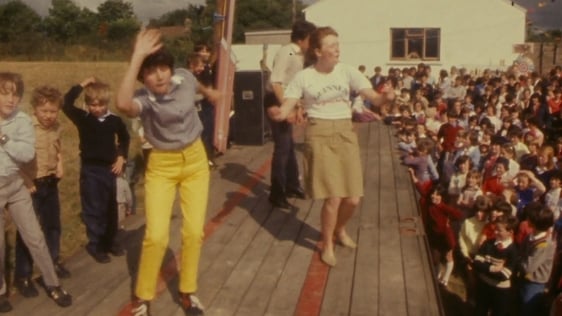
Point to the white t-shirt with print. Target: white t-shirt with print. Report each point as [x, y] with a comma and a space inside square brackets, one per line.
[327, 95]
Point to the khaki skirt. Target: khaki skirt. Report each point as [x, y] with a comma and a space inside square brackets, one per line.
[332, 165]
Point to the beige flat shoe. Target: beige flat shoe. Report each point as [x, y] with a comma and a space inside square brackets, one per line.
[346, 241]
[328, 259]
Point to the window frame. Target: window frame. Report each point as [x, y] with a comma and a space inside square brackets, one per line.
[410, 34]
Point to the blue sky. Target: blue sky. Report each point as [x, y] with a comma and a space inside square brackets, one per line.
[545, 14]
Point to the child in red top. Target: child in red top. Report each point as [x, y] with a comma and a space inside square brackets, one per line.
[437, 218]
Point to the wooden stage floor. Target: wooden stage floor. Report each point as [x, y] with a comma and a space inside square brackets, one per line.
[258, 260]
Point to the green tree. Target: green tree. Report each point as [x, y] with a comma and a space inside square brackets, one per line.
[113, 10]
[117, 21]
[122, 30]
[63, 21]
[17, 21]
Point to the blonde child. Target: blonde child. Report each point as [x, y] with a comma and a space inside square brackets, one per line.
[101, 162]
[528, 189]
[471, 190]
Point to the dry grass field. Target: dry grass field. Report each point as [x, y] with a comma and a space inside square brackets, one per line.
[63, 75]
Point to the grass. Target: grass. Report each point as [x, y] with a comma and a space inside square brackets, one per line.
[63, 75]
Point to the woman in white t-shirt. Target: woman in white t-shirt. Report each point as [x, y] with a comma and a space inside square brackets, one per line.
[332, 162]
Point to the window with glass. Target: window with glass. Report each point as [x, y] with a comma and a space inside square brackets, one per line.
[415, 43]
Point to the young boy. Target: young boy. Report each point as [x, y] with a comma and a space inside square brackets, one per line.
[42, 175]
[17, 140]
[166, 106]
[101, 162]
[537, 257]
[407, 144]
[494, 264]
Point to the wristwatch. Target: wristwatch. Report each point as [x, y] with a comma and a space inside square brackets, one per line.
[4, 139]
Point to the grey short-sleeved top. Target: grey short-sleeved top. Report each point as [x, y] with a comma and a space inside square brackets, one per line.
[171, 121]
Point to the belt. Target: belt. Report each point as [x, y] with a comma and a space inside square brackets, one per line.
[48, 180]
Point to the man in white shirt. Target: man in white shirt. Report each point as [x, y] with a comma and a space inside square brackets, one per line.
[284, 168]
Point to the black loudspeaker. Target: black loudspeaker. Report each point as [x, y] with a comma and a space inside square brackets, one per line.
[249, 126]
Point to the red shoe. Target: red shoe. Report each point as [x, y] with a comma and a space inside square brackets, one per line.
[191, 305]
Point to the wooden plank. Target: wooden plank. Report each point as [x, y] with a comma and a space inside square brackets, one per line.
[418, 276]
[365, 293]
[232, 293]
[392, 292]
[258, 295]
[286, 294]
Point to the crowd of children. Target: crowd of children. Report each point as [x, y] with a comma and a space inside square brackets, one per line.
[485, 154]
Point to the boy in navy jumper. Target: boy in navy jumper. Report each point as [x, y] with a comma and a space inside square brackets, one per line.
[494, 265]
[101, 161]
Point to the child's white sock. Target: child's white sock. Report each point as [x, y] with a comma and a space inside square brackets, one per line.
[448, 270]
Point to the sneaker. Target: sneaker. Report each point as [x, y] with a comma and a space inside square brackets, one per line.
[140, 308]
[191, 305]
[5, 305]
[62, 271]
[60, 296]
[100, 257]
[26, 287]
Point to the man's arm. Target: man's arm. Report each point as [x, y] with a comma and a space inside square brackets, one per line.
[278, 91]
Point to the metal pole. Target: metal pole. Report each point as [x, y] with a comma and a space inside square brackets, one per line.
[294, 11]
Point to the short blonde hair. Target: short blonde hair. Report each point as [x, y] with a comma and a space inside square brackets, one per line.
[97, 92]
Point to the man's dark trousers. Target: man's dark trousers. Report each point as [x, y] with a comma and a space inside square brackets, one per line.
[284, 166]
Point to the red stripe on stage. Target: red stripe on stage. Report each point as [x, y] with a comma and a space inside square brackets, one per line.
[312, 292]
[170, 268]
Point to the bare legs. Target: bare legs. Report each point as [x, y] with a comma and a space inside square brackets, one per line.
[335, 214]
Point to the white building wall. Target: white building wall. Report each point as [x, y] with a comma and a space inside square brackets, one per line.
[474, 33]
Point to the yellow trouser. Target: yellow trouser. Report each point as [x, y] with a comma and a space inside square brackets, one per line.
[188, 171]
